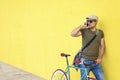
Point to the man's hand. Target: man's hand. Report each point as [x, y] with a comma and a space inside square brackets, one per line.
[97, 61]
[84, 26]
[76, 32]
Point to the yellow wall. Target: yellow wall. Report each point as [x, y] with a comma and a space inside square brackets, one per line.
[34, 32]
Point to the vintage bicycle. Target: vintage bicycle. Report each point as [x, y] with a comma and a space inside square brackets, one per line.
[60, 74]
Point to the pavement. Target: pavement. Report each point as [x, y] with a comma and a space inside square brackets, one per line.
[8, 72]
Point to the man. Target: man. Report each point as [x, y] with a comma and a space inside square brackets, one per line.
[94, 52]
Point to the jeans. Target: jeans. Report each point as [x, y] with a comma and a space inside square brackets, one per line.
[91, 66]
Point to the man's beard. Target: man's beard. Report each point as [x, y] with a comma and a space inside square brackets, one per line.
[92, 27]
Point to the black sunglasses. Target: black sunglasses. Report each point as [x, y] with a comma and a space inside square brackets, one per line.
[91, 21]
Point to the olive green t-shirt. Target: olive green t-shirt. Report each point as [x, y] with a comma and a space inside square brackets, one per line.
[92, 51]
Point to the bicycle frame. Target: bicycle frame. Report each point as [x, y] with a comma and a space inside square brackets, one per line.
[67, 70]
[66, 73]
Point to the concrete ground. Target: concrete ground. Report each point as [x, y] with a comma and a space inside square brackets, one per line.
[8, 72]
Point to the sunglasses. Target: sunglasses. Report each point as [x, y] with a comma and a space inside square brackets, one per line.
[91, 21]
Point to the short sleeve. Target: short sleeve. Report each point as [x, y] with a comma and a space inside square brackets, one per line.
[82, 31]
[102, 34]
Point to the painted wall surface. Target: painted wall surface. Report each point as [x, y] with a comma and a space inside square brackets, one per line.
[33, 33]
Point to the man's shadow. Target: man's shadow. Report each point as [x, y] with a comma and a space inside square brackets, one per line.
[105, 60]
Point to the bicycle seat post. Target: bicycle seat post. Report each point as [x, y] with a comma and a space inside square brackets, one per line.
[66, 56]
[67, 60]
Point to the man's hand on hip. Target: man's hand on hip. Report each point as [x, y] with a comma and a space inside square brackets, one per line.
[98, 61]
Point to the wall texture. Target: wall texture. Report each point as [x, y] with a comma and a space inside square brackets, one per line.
[34, 32]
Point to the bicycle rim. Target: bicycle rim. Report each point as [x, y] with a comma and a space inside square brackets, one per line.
[59, 75]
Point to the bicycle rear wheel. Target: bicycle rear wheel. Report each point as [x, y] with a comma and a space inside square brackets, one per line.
[59, 75]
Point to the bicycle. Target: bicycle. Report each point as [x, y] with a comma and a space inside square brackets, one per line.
[60, 74]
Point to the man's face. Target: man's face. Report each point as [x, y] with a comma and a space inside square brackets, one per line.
[91, 23]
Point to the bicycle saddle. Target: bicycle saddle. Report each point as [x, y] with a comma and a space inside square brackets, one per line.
[65, 55]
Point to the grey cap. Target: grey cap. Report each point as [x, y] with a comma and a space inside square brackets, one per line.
[92, 16]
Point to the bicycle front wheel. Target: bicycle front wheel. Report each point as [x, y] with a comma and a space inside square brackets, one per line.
[59, 75]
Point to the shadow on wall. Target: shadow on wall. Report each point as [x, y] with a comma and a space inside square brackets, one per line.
[102, 25]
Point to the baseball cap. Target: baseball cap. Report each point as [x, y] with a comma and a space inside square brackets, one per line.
[92, 16]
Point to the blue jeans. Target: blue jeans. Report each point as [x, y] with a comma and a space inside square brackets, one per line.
[91, 66]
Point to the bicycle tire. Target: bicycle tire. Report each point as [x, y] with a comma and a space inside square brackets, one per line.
[59, 74]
